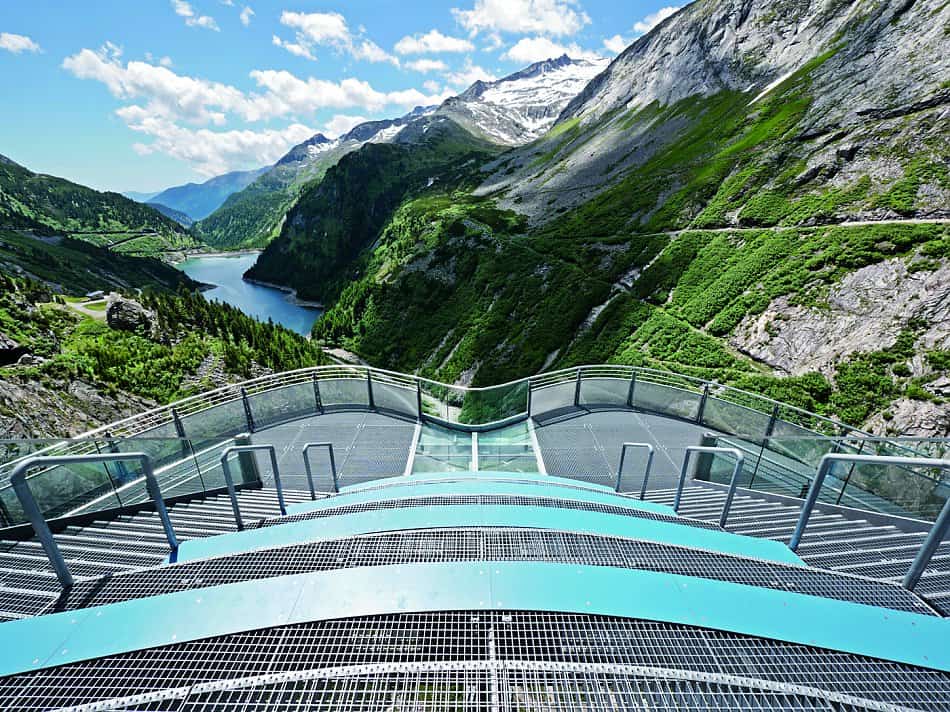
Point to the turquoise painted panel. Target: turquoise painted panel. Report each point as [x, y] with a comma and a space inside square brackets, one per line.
[470, 487]
[343, 525]
[192, 615]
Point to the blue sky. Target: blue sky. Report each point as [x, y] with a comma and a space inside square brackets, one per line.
[145, 94]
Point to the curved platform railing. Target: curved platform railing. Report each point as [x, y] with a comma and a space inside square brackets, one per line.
[203, 424]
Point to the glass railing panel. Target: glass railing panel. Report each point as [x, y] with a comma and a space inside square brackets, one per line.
[283, 404]
[799, 444]
[210, 426]
[665, 400]
[604, 391]
[548, 399]
[492, 405]
[344, 392]
[735, 412]
[396, 398]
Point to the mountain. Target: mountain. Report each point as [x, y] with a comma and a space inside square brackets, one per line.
[199, 200]
[753, 195]
[47, 205]
[507, 112]
[356, 197]
[520, 107]
[176, 215]
[254, 215]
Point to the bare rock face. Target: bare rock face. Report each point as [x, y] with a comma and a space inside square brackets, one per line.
[912, 418]
[865, 312]
[60, 409]
[128, 315]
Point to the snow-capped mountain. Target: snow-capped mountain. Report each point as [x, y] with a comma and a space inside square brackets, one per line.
[519, 108]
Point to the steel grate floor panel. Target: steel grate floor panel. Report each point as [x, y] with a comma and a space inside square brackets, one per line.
[485, 659]
[485, 544]
[486, 500]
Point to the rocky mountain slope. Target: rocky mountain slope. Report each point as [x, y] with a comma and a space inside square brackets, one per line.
[199, 200]
[46, 205]
[521, 107]
[698, 206]
[508, 112]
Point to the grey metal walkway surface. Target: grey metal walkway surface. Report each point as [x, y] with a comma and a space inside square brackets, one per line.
[366, 446]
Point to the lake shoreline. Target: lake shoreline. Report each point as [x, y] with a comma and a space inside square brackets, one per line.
[193, 254]
[289, 291]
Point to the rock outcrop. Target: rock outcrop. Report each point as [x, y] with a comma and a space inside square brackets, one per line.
[912, 418]
[128, 315]
[864, 312]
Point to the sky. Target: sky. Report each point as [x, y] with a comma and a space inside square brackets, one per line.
[140, 95]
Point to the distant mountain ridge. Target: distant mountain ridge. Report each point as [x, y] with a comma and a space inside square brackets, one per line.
[507, 112]
[254, 215]
[199, 200]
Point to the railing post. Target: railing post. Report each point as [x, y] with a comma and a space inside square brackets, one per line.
[369, 389]
[306, 463]
[847, 477]
[577, 387]
[528, 396]
[22, 489]
[121, 472]
[633, 385]
[646, 473]
[180, 430]
[733, 482]
[702, 404]
[773, 418]
[318, 401]
[419, 398]
[229, 481]
[247, 410]
[937, 534]
[43, 533]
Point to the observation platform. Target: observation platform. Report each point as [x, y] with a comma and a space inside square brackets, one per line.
[599, 538]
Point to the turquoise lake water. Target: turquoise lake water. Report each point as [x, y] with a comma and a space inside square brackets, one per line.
[260, 302]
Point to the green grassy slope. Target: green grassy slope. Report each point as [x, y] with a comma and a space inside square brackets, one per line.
[47, 205]
[336, 219]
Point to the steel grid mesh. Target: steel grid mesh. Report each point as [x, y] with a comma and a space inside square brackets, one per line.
[485, 544]
[488, 659]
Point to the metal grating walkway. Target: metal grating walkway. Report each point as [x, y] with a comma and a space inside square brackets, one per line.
[481, 661]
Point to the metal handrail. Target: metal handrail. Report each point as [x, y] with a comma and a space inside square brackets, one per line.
[229, 481]
[306, 464]
[733, 481]
[43, 533]
[646, 473]
[937, 532]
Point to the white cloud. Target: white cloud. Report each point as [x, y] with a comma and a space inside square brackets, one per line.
[17, 43]
[425, 65]
[329, 29]
[198, 101]
[652, 20]
[536, 49]
[341, 123]
[468, 75]
[293, 47]
[212, 153]
[246, 14]
[192, 18]
[431, 86]
[431, 42]
[615, 44]
[549, 17]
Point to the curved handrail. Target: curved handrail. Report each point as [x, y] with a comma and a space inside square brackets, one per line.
[646, 472]
[33, 513]
[306, 464]
[229, 481]
[733, 482]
